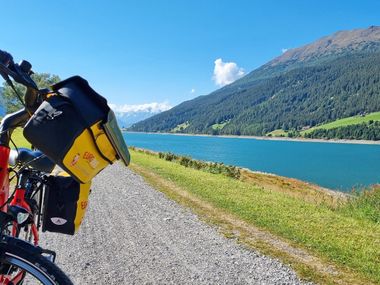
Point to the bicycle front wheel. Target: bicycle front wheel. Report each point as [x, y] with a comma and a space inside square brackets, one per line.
[23, 263]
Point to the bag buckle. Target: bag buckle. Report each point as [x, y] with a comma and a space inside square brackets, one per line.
[53, 114]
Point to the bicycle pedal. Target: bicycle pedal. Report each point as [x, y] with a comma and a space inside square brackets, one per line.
[49, 254]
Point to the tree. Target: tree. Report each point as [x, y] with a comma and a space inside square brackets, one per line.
[12, 103]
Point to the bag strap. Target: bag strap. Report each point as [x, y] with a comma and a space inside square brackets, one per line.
[97, 147]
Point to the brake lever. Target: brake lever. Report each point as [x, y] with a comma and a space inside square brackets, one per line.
[6, 71]
[15, 71]
[20, 77]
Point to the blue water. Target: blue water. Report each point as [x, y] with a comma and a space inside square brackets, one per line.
[335, 166]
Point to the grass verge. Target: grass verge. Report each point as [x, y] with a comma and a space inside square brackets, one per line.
[324, 242]
[19, 139]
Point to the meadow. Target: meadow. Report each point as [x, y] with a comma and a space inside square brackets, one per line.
[341, 231]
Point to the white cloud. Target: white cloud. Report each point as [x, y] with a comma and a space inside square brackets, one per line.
[192, 91]
[284, 50]
[149, 107]
[226, 72]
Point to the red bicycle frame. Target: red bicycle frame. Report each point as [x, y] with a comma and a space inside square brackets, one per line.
[18, 199]
[4, 176]
[8, 124]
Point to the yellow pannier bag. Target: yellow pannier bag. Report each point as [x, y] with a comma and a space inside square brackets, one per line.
[65, 204]
[90, 152]
[77, 130]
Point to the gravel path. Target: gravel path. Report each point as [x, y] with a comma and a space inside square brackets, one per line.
[133, 234]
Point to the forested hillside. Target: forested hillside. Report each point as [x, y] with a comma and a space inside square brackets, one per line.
[333, 78]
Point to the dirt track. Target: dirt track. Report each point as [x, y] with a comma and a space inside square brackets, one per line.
[133, 234]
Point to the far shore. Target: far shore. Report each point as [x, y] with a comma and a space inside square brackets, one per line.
[307, 140]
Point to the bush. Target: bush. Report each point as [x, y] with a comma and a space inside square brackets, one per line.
[212, 167]
[169, 156]
[185, 161]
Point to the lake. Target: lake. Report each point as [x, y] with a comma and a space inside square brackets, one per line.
[336, 166]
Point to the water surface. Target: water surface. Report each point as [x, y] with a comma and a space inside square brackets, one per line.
[337, 166]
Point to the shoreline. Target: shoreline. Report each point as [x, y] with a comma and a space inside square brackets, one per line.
[310, 185]
[304, 140]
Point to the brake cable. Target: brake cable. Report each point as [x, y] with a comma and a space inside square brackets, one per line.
[10, 83]
[10, 138]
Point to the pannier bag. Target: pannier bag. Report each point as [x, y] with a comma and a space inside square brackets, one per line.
[77, 130]
[65, 203]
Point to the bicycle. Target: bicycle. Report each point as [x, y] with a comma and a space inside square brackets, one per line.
[22, 262]
[82, 143]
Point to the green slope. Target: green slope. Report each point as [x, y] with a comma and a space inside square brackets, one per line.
[305, 96]
[354, 120]
[335, 77]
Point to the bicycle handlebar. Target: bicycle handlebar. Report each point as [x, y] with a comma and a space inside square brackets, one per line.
[19, 72]
[5, 58]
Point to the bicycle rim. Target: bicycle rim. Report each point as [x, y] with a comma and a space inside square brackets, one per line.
[21, 271]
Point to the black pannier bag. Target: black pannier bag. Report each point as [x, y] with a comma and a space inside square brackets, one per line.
[77, 130]
[65, 204]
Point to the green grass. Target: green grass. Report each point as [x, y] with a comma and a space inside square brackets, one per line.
[219, 126]
[19, 139]
[347, 236]
[180, 127]
[277, 133]
[346, 122]
[364, 205]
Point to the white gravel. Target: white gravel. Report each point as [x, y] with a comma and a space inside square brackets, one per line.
[133, 234]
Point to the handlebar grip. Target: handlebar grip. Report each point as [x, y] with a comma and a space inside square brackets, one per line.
[5, 58]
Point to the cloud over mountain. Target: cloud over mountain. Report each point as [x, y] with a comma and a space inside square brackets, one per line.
[127, 115]
[148, 107]
[226, 72]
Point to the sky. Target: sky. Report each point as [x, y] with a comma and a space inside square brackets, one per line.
[159, 53]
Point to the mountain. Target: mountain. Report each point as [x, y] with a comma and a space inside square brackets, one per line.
[127, 115]
[336, 44]
[334, 77]
[127, 119]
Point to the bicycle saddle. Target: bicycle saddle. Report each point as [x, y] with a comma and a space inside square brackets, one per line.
[25, 155]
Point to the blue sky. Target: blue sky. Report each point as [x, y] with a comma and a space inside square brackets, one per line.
[165, 51]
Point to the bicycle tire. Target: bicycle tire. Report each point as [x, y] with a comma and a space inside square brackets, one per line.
[17, 254]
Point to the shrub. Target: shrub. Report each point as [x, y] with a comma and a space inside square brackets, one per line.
[169, 156]
[212, 167]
